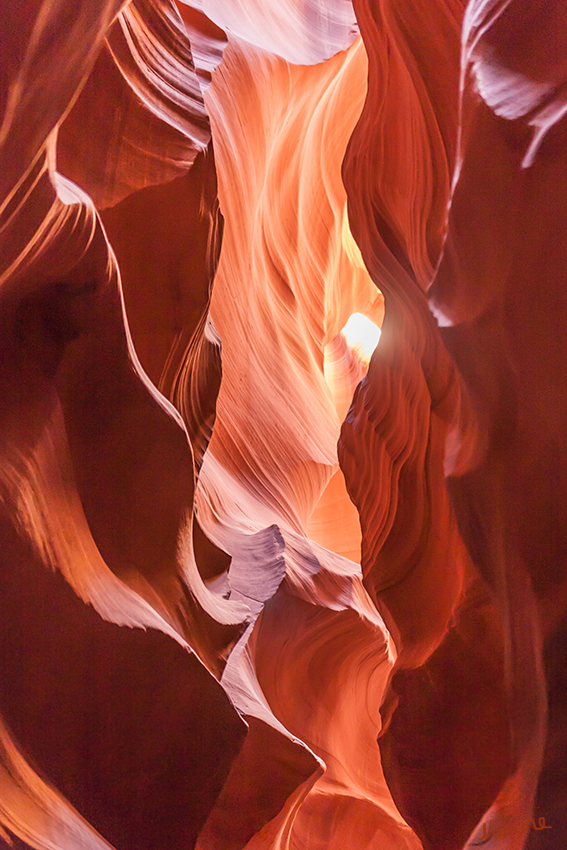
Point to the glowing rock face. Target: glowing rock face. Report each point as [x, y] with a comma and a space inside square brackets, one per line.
[242, 605]
[362, 335]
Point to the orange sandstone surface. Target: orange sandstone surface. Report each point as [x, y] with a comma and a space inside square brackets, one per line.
[283, 424]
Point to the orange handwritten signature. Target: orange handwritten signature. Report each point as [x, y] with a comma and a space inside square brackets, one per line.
[492, 831]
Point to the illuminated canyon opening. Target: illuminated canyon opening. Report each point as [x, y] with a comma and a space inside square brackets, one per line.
[283, 473]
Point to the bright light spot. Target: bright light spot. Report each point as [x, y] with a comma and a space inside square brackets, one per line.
[362, 335]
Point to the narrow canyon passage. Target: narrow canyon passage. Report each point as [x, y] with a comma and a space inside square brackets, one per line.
[283, 430]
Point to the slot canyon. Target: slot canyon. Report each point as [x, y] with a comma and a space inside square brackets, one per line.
[283, 431]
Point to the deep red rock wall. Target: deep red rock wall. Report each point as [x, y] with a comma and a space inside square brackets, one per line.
[260, 587]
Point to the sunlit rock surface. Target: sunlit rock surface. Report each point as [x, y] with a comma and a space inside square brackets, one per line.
[282, 434]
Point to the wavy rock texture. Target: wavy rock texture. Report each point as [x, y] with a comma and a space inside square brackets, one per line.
[289, 277]
[97, 486]
[500, 294]
[213, 634]
[301, 31]
[397, 172]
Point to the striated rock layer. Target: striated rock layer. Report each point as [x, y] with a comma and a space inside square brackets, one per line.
[499, 293]
[263, 588]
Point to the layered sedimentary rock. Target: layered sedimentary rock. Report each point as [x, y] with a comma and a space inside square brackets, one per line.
[97, 491]
[499, 295]
[443, 766]
[286, 223]
[263, 588]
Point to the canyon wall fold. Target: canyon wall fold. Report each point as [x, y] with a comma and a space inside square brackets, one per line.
[282, 425]
[499, 293]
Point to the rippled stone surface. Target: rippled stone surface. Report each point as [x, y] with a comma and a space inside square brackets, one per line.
[282, 458]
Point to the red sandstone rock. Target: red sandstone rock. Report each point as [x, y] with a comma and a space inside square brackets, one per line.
[212, 635]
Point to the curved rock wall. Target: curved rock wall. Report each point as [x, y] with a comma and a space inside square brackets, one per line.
[263, 588]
